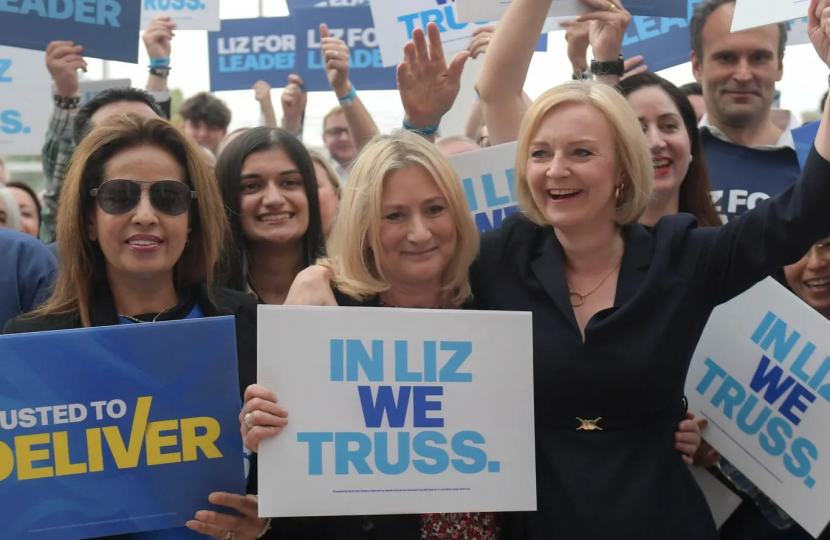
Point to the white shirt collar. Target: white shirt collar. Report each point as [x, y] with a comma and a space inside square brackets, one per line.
[781, 118]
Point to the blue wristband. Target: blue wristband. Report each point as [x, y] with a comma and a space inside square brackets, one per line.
[428, 131]
[160, 62]
[348, 99]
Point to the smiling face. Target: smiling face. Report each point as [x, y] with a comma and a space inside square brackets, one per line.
[143, 243]
[667, 138]
[809, 278]
[337, 139]
[29, 219]
[572, 170]
[738, 71]
[417, 233]
[273, 202]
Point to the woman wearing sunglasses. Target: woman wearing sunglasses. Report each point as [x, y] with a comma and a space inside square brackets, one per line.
[271, 197]
[139, 231]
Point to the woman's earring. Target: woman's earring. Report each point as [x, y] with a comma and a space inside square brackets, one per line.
[691, 158]
[620, 189]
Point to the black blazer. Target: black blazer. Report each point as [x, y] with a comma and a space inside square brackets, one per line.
[223, 303]
[627, 481]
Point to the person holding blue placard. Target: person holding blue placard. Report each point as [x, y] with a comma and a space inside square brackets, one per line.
[270, 191]
[140, 229]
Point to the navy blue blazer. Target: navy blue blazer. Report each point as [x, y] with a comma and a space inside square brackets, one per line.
[627, 481]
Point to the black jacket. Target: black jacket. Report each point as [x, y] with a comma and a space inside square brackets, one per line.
[220, 302]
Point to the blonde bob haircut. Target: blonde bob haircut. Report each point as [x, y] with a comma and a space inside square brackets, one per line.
[82, 267]
[633, 155]
[357, 267]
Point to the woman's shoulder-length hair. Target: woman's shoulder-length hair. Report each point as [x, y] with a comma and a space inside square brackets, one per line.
[82, 264]
[633, 153]
[233, 267]
[357, 267]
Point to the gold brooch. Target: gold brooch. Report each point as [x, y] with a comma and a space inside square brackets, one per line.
[589, 425]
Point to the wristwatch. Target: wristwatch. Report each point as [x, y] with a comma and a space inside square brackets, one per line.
[616, 67]
[67, 103]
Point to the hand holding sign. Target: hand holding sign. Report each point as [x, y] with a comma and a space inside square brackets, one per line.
[294, 101]
[427, 85]
[266, 417]
[216, 525]
[608, 26]
[158, 36]
[819, 28]
[576, 34]
[336, 55]
[481, 41]
[63, 59]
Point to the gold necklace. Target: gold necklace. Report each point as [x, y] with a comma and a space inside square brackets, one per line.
[582, 297]
[139, 321]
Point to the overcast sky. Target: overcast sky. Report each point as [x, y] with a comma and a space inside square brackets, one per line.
[805, 76]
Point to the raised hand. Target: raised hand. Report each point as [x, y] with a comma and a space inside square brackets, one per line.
[608, 25]
[819, 28]
[294, 101]
[576, 34]
[428, 87]
[262, 91]
[63, 60]
[481, 41]
[336, 56]
[158, 37]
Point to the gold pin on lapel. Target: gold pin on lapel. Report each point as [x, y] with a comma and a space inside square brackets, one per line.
[589, 425]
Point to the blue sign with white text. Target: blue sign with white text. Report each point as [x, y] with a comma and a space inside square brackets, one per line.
[356, 27]
[107, 29]
[663, 42]
[117, 430]
[248, 50]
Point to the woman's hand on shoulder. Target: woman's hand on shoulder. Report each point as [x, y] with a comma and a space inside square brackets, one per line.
[261, 417]
[312, 287]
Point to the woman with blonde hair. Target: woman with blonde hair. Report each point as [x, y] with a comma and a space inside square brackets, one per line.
[139, 231]
[617, 308]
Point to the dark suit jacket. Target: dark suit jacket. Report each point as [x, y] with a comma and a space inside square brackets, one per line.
[627, 481]
[220, 302]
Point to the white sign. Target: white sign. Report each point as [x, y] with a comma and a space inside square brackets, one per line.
[798, 34]
[397, 411]
[487, 176]
[761, 376]
[492, 10]
[722, 501]
[755, 13]
[187, 14]
[25, 101]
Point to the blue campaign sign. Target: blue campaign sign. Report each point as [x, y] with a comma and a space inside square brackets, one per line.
[108, 29]
[354, 26]
[248, 50]
[657, 8]
[117, 430]
[663, 42]
[297, 4]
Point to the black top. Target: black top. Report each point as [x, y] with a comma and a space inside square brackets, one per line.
[628, 482]
[220, 302]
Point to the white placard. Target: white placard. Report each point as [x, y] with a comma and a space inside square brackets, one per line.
[487, 176]
[755, 13]
[798, 34]
[187, 14]
[459, 422]
[722, 501]
[492, 10]
[25, 101]
[761, 376]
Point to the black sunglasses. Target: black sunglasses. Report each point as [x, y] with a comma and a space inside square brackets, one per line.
[116, 197]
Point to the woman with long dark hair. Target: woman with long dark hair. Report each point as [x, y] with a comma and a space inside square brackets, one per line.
[269, 189]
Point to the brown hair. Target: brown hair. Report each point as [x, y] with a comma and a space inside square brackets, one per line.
[82, 263]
